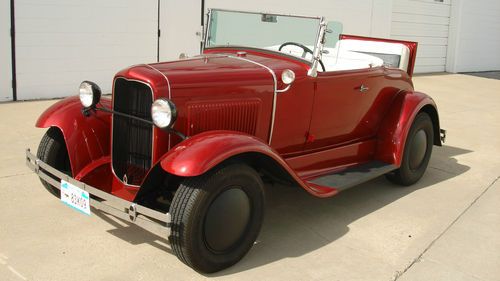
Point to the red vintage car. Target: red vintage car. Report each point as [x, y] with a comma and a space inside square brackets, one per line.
[182, 148]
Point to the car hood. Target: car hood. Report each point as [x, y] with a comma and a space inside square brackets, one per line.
[214, 70]
[211, 70]
[223, 91]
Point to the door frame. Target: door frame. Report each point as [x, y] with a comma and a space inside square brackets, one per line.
[13, 49]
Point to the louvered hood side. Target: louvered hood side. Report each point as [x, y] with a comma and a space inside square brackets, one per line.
[221, 93]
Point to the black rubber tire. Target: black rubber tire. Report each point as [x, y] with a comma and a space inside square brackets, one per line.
[191, 204]
[406, 175]
[52, 150]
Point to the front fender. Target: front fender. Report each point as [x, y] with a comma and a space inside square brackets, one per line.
[200, 153]
[397, 123]
[87, 138]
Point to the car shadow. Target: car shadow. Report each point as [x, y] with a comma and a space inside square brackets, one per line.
[132, 233]
[292, 215]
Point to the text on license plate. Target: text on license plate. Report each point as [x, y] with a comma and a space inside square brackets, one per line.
[75, 197]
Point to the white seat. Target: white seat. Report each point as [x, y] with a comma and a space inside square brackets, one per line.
[336, 59]
[356, 54]
[351, 54]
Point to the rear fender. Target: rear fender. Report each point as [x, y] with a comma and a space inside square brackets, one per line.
[200, 153]
[87, 138]
[397, 123]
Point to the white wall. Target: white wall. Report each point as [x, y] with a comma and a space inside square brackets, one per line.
[360, 17]
[179, 25]
[425, 22]
[180, 22]
[59, 43]
[5, 52]
[474, 36]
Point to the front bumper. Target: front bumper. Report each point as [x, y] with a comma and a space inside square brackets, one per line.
[149, 219]
[442, 135]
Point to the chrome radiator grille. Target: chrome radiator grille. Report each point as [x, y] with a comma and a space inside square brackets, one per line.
[132, 139]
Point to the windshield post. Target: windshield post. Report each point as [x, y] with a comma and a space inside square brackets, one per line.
[206, 30]
[318, 49]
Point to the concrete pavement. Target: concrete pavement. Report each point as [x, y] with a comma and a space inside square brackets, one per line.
[443, 228]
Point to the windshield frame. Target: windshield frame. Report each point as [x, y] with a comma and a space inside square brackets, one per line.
[318, 47]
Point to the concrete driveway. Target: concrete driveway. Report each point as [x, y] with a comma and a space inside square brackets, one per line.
[446, 227]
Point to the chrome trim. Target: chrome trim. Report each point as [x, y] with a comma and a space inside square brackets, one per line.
[363, 88]
[207, 31]
[285, 89]
[151, 220]
[205, 57]
[113, 127]
[162, 74]
[318, 49]
[275, 91]
[169, 97]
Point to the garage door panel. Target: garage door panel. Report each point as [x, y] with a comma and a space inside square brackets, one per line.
[426, 22]
[96, 26]
[5, 53]
[426, 19]
[429, 68]
[51, 85]
[77, 39]
[421, 8]
[76, 64]
[431, 51]
[422, 40]
[423, 61]
[61, 43]
[98, 51]
[419, 29]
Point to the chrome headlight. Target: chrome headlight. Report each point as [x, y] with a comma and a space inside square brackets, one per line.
[164, 113]
[90, 94]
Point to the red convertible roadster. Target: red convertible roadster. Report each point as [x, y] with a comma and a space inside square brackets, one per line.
[182, 147]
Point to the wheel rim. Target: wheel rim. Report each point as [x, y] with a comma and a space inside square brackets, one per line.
[418, 149]
[227, 219]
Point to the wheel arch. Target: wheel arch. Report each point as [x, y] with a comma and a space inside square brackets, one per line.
[86, 138]
[397, 122]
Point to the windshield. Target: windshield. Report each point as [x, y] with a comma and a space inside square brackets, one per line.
[264, 31]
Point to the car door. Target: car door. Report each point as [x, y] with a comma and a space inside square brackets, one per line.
[345, 107]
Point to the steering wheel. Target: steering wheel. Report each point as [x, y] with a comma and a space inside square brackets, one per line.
[306, 50]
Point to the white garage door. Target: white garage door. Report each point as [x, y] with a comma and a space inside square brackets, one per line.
[5, 53]
[59, 43]
[426, 22]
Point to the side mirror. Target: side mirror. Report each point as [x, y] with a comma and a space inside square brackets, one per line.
[287, 77]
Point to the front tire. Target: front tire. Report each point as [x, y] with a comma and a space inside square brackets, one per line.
[52, 150]
[417, 152]
[216, 217]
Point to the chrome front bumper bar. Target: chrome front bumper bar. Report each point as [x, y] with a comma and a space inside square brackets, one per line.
[149, 219]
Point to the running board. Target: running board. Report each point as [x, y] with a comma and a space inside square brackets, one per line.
[354, 176]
